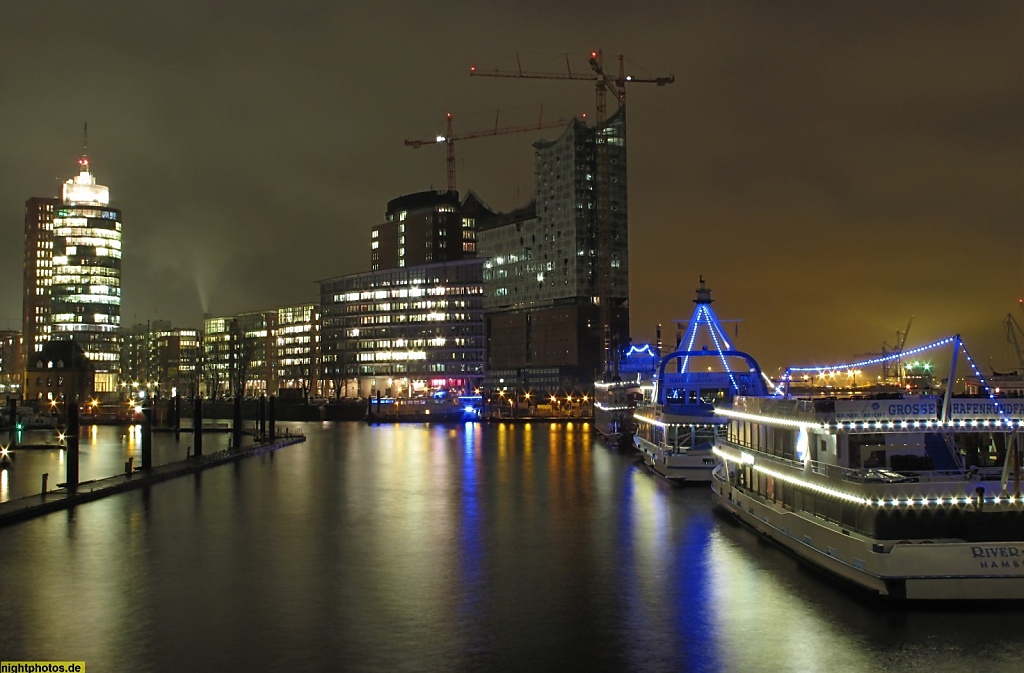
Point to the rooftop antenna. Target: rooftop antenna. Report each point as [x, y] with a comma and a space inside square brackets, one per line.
[84, 162]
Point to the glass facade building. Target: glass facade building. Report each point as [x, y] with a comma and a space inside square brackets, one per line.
[85, 295]
[556, 280]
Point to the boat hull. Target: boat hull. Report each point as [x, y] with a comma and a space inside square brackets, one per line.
[912, 570]
[695, 465]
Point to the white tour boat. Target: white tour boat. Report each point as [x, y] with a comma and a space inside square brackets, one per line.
[676, 429]
[909, 497]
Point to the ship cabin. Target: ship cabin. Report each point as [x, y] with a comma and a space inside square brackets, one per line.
[886, 467]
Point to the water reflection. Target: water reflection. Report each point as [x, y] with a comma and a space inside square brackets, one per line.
[471, 547]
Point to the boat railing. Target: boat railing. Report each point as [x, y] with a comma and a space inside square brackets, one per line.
[869, 475]
[688, 409]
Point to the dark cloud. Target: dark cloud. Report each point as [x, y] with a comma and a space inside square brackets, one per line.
[831, 168]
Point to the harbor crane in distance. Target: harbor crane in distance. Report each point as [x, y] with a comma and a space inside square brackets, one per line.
[1015, 335]
[604, 83]
[893, 369]
[450, 137]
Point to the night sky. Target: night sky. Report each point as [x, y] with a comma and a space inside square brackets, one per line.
[832, 169]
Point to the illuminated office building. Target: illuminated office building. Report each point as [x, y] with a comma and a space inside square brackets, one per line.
[85, 299]
[405, 331]
[297, 341]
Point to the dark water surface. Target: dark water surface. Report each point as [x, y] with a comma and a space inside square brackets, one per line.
[430, 548]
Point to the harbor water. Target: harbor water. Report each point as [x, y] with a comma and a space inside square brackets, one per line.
[500, 547]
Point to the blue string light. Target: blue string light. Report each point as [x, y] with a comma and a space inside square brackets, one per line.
[984, 383]
[642, 350]
[820, 369]
[718, 346]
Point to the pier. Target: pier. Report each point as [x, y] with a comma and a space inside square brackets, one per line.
[63, 498]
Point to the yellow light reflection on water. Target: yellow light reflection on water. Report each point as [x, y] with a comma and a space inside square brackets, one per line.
[746, 608]
[528, 447]
[5, 486]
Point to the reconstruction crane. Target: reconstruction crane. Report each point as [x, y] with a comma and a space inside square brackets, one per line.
[604, 83]
[449, 138]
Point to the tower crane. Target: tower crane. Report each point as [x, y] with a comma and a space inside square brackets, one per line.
[604, 83]
[449, 138]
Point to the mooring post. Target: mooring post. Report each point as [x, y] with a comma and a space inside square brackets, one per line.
[272, 416]
[197, 427]
[261, 423]
[12, 416]
[71, 439]
[46, 476]
[236, 425]
[177, 415]
[147, 434]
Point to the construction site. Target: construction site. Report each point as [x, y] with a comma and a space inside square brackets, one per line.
[554, 309]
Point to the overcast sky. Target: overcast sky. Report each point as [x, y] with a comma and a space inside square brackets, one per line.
[831, 168]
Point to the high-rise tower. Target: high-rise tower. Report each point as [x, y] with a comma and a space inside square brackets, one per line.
[85, 300]
[38, 274]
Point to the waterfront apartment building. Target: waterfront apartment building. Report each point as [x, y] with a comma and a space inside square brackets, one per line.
[177, 361]
[404, 331]
[556, 279]
[85, 294]
[160, 358]
[421, 228]
[37, 272]
[136, 353]
[239, 355]
[273, 352]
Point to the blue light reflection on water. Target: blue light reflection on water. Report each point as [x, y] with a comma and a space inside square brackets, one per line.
[460, 548]
[472, 551]
[694, 623]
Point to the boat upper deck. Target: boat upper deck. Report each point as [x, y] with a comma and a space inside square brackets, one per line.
[887, 413]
